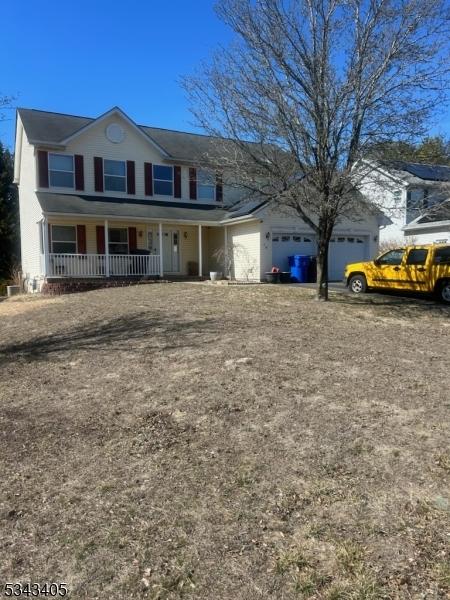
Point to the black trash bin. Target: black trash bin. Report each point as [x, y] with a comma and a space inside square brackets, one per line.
[134, 266]
[312, 270]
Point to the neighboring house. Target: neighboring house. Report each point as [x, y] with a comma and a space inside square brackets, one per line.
[415, 198]
[108, 198]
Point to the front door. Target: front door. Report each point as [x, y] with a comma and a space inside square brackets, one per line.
[171, 250]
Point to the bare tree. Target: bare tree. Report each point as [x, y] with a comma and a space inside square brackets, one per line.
[307, 86]
[6, 103]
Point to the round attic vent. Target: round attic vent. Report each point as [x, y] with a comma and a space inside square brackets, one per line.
[115, 133]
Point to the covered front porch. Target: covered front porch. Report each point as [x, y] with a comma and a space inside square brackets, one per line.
[83, 248]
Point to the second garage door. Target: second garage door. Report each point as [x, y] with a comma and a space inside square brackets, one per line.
[343, 250]
[288, 244]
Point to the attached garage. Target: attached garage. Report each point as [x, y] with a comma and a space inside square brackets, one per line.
[346, 249]
[343, 249]
[286, 244]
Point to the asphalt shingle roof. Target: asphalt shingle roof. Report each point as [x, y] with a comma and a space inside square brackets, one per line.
[423, 171]
[49, 127]
[75, 204]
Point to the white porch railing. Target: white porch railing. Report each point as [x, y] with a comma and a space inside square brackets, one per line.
[95, 265]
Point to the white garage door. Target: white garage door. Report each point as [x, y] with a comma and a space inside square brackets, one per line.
[343, 250]
[288, 244]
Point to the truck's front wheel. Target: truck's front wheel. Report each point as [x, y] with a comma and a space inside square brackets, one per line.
[444, 292]
[358, 284]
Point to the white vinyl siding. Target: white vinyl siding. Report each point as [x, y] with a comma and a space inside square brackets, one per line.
[30, 211]
[244, 245]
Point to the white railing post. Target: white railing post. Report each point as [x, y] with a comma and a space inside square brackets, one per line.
[161, 266]
[106, 249]
[200, 252]
[225, 254]
[46, 248]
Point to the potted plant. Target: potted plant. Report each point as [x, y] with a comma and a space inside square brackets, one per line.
[223, 262]
[273, 276]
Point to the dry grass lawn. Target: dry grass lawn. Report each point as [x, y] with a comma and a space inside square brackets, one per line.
[191, 441]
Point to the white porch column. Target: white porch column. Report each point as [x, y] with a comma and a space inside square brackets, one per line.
[200, 252]
[45, 246]
[161, 266]
[225, 254]
[106, 249]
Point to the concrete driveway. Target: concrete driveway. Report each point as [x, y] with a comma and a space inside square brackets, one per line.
[339, 286]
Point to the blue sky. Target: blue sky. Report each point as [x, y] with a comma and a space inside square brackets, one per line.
[84, 57]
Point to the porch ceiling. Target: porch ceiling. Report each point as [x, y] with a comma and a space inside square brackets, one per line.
[72, 204]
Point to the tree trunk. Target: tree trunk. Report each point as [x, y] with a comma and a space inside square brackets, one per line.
[322, 268]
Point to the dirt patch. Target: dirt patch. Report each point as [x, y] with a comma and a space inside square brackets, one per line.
[225, 442]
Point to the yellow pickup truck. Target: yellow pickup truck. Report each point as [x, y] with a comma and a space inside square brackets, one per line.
[414, 268]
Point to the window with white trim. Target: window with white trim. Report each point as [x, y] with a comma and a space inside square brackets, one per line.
[64, 239]
[162, 180]
[114, 173]
[61, 170]
[206, 185]
[118, 240]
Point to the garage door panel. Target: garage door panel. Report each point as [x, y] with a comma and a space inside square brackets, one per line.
[345, 249]
[286, 244]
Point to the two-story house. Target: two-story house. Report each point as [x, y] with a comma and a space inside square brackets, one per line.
[107, 198]
[414, 196]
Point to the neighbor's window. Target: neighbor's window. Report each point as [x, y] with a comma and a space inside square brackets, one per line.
[163, 180]
[118, 241]
[206, 186]
[115, 176]
[393, 257]
[442, 256]
[64, 239]
[60, 170]
[417, 256]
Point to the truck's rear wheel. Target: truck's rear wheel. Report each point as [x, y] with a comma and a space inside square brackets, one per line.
[444, 292]
[358, 284]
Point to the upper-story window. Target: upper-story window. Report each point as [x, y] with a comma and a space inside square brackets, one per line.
[206, 185]
[162, 180]
[115, 175]
[60, 170]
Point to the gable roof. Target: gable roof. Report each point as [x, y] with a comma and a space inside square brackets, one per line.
[56, 128]
[117, 111]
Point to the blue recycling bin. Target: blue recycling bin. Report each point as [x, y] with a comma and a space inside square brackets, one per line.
[299, 266]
